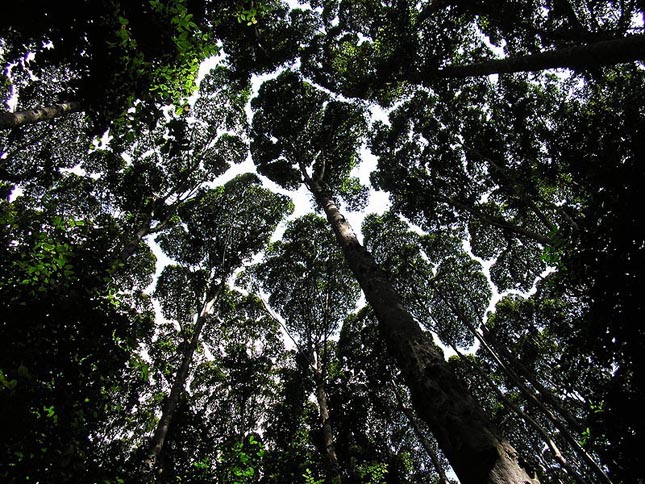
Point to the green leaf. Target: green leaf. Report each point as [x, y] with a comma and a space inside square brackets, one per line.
[9, 384]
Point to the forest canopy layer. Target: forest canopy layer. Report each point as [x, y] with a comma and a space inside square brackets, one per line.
[184, 300]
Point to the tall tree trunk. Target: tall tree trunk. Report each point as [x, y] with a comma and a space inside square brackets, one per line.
[531, 397]
[607, 52]
[555, 451]
[511, 365]
[429, 447]
[13, 120]
[465, 434]
[178, 386]
[328, 437]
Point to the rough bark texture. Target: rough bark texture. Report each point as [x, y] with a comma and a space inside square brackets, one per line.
[13, 120]
[607, 52]
[464, 433]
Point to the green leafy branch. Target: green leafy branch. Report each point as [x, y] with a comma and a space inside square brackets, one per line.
[553, 252]
[177, 82]
[48, 262]
[244, 461]
[174, 81]
[373, 473]
[250, 15]
[310, 479]
[5, 382]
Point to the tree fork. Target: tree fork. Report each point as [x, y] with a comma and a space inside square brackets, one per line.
[607, 52]
[466, 436]
[31, 116]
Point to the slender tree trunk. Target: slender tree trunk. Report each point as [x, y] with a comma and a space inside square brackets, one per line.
[13, 120]
[555, 451]
[494, 350]
[515, 368]
[328, 437]
[178, 386]
[428, 446]
[607, 52]
[464, 433]
[546, 395]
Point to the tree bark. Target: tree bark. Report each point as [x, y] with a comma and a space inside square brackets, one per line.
[328, 438]
[465, 434]
[607, 52]
[555, 451]
[178, 386]
[544, 394]
[13, 120]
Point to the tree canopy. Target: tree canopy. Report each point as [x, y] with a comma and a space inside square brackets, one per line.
[183, 298]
